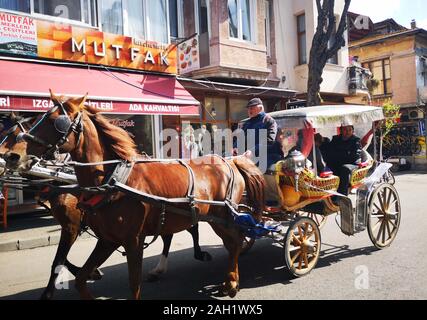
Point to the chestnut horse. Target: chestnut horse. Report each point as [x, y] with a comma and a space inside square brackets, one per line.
[126, 221]
[64, 210]
[62, 207]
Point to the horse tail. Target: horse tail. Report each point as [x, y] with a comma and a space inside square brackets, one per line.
[255, 184]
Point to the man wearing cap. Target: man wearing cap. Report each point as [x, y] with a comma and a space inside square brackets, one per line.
[258, 120]
[343, 155]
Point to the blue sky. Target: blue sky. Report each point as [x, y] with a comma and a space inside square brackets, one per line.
[403, 11]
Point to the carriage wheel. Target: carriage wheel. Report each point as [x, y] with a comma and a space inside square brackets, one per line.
[318, 218]
[247, 245]
[302, 246]
[384, 216]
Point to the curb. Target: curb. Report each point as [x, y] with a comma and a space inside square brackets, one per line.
[32, 243]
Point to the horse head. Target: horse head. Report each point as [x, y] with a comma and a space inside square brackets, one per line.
[12, 151]
[57, 131]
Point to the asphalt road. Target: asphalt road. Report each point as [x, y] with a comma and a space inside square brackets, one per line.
[349, 267]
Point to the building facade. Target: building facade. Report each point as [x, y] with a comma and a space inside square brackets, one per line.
[121, 52]
[397, 58]
[296, 23]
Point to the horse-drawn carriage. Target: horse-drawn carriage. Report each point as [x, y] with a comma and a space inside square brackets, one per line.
[307, 197]
[129, 200]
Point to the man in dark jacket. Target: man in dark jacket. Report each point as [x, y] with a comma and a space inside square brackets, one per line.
[343, 155]
[258, 120]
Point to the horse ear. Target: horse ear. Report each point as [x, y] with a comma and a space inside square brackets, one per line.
[12, 116]
[53, 97]
[80, 101]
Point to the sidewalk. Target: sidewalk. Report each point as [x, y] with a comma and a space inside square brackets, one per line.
[29, 231]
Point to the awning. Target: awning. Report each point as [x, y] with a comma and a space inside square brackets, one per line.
[24, 86]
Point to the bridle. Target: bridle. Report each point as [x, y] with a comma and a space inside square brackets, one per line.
[63, 125]
[19, 124]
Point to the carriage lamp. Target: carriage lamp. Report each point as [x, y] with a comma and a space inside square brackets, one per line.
[295, 163]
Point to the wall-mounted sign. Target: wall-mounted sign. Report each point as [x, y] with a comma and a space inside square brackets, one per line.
[189, 55]
[33, 104]
[18, 35]
[25, 36]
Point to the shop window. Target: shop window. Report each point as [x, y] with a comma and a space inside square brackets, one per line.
[241, 19]
[139, 127]
[216, 109]
[238, 110]
[16, 5]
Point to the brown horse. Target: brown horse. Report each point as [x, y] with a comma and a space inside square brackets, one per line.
[62, 207]
[127, 221]
[64, 210]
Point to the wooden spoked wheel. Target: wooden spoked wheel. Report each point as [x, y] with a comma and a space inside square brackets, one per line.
[384, 216]
[247, 245]
[302, 246]
[319, 219]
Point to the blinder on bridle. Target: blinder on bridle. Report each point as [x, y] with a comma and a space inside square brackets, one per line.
[63, 125]
[19, 124]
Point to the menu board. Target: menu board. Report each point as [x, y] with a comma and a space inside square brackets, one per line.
[189, 55]
[18, 34]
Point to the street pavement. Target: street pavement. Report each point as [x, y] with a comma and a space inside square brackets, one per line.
[349, 268]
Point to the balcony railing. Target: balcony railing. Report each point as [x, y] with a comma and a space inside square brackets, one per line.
[358, 80]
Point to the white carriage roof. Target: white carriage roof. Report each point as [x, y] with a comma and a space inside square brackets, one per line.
[328, 116]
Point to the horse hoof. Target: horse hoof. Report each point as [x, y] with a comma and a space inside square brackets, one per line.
[203, 256]
[232, 292]
[96, 275]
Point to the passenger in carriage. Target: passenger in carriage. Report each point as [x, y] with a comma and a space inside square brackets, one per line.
[304, 145]
[343, 155]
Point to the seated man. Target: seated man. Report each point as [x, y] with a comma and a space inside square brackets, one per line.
[343, 155]
[302, 145]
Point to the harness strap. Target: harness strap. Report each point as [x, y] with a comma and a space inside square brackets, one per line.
[230, 186]
[190, 193]
[162, 220]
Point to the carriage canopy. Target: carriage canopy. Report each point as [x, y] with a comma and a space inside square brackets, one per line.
[328, 116]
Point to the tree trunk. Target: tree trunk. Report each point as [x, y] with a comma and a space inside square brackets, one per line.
[320, 51]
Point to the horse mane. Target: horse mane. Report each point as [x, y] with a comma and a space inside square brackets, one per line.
[116, 139]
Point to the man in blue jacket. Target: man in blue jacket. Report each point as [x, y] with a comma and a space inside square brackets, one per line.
[258, 120]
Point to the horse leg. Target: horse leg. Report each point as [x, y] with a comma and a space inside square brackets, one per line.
[134, 255]
[66, 241]
[233, 241]
[198, 253]
[102, 252]
[162, 266]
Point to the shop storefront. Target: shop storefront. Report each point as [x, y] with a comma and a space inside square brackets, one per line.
[223, 106]
[131, 82]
